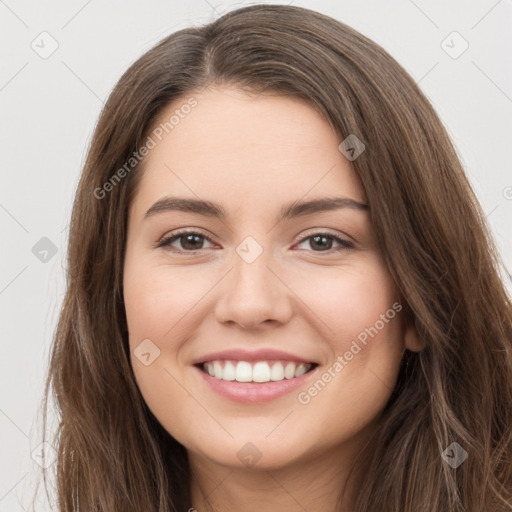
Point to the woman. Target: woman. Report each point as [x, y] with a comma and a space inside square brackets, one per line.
[282, 292]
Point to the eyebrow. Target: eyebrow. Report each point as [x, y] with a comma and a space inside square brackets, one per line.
[288, 211]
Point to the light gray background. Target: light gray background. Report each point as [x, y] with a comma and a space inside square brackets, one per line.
[49, 107]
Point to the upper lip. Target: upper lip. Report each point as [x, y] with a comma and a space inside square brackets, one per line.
[246, 355]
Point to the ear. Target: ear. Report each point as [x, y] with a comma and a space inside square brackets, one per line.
[411, 339]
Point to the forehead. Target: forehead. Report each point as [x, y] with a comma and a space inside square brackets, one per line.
[245, 151]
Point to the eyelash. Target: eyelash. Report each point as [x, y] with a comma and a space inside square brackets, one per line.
[165, 242]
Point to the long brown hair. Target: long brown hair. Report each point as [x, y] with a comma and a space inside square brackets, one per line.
[113, 455]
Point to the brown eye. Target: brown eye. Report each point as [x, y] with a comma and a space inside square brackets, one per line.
[189, 241]
[323, 242]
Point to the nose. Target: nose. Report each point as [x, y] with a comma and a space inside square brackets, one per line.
[253, 294]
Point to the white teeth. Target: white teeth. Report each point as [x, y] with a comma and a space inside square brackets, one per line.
[289, 371]
[300, 370]
[217, 370]
[277, 372]
[260, 371]
[243, 372]
[229, 371]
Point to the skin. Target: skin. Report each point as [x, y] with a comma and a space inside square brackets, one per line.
[252, 154]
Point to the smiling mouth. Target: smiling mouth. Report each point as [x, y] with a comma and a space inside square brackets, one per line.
[255, 371]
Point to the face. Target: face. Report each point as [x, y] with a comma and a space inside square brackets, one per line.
[252, 295]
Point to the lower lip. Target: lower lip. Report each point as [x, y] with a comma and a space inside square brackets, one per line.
[254, 392]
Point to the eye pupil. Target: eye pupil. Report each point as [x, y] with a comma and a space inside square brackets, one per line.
[317, 238]
[188, 239]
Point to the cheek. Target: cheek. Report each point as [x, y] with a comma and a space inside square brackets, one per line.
[159, 304]
[348, 300]
[360, 316]
[159, 298]
[164, 306]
